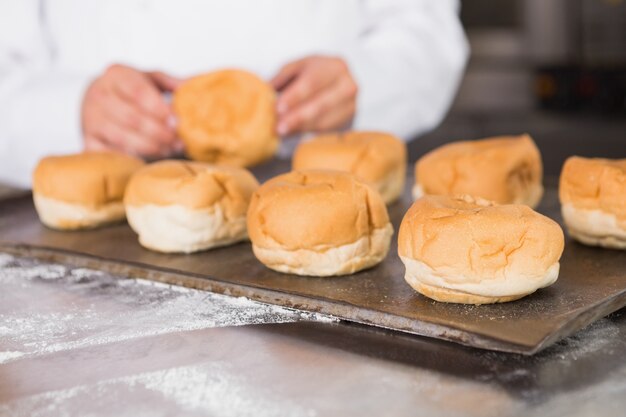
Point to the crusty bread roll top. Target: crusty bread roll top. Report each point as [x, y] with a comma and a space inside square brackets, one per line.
[194, 185]
[375, 157]
[505, 169]
[227, 116]
[91, 179]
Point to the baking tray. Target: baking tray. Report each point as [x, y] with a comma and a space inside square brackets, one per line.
[592, 282]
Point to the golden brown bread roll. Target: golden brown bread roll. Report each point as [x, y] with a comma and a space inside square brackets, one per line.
[470, 251]
[83, 190]
[227, 116]
[181, 206]
[593, 200]
[375, 157]
[318, 223]
[504, 169]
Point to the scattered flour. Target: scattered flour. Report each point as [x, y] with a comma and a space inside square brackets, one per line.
[77, 308]
[208, 389]
[8, 355]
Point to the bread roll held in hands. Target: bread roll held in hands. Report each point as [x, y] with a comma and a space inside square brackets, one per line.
[593, 200]
[377, 158]
[227, 116]
[470, 251]
[82, 191]
[506, 170]
[319, 223]
[180, 206]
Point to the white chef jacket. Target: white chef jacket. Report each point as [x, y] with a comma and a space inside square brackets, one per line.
[407, 57]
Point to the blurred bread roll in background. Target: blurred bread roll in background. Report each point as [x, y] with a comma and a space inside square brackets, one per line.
[180, 206]
[470, 251]
[82, 191]
[227, 116]
[375, 157]
[593, 200]
[318, 223]
[506, 170]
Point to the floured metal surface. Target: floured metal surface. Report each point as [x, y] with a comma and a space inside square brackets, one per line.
[78, 342]
[48, 308]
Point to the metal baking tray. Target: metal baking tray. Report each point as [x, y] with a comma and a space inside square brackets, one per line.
[592, 282]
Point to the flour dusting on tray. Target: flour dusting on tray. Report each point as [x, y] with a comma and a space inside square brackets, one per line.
[46, 308]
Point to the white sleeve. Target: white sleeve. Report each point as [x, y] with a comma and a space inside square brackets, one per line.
[408, 64]
[39, 104]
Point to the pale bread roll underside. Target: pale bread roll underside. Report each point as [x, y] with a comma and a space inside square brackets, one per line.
[341, 260]
[68, 216]
[439, 285]
[594, 227]
[177, 228]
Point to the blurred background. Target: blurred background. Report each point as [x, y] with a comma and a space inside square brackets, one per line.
[553, 68]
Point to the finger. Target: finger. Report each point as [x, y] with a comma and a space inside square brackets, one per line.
[129, 116]
[178, 147]
[163, 81]
[129, 141]
[304, 116]
[138, 88]
[93, 144]
[345, 111]
[337, 120]
[286, 74]
[305, 85]
[307, 115]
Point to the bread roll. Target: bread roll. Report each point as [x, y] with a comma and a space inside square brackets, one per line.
[318, 223]
[506, 170]
[377, 158]
[470, 251]
[180, 206]
[227, 117]
[593, 200]
[82, 191]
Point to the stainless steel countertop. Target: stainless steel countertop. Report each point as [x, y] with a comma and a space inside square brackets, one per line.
[80, 342]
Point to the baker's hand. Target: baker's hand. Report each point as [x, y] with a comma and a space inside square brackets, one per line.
[124, 110]
[316, 93]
